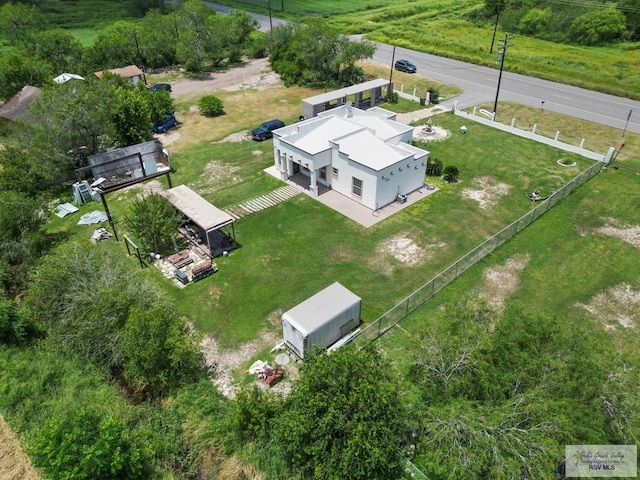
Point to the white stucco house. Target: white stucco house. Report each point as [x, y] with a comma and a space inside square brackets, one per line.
[365, 155]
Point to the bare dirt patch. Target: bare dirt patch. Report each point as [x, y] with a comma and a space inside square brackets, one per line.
[217, 173]
[488, 193]
[618, 306]
[144, 189]
[614, 228]
[503, 280]
[14, 463]
[223, 363]
[407, 251]
[236, 137]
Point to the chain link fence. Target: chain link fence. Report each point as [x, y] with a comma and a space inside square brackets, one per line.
[400, 311]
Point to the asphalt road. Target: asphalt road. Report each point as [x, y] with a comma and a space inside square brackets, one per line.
[480, 85]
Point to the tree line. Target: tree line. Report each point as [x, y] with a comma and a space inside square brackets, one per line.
[579, 23]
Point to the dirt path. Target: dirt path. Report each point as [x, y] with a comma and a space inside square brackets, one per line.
[251, 74]
[14, 463]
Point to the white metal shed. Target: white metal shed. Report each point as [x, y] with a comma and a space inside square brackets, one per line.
[321, 320]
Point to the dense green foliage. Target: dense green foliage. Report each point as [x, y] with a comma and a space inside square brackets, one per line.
[563, 22]
[312, 53]
[85, 298]
[343, 419]
[210, 106]
[500, 394]
[434, 167]
[16, 327]
[87, 446]
[153, 221]
[21, 240]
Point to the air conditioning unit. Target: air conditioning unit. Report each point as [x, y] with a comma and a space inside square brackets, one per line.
[401, 198]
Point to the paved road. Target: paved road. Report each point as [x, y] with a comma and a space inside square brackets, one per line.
[480, 85]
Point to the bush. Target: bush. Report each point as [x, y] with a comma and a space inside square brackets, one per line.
[434, 95]
[393, 97]
[451, 174]
[434, 167]
[211, 106]
[87, 446]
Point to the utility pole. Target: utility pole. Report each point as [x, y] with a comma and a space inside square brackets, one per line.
[502, 52]
[495, 28]
[393, 58]
[135, 35]
[270, 20]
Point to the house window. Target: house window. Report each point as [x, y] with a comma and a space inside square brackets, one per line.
[323, 173]
[279, 158]
[356, 187]
[335, 172]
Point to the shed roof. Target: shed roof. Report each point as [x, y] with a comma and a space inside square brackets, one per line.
[321, 308]
[345, 92]
[18, 105]
[204, 214]
[127, 72]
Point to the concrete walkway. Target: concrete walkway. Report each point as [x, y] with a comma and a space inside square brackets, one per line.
[419, 114]
[263, 201]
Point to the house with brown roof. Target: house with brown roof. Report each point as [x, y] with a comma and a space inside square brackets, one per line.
[17, 107]
[131, 72]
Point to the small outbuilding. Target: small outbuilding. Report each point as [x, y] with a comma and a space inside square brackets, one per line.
[321, 320]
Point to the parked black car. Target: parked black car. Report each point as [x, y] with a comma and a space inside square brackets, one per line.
[160, 86]
[405, 66]
[265, 130]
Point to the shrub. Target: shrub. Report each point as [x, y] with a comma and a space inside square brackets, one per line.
[393, 97]
[451, 173]
[211, 106]
[434, 167]
[87, 446]
[434, 95]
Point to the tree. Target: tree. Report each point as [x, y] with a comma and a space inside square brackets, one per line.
[87, 446]
[598, 27]
[160, 352]
[18, 70]
[158, 36]
[153, 221]
[61, 50]
[343, 418]
[197, 42]
[114, 47]
[19, 20]
[83, 297]
[132, 115]
[314, 53]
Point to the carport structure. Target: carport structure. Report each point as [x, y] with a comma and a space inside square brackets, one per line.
[204, 222]
[365, 95]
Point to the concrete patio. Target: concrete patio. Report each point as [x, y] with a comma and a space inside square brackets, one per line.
[350, 208]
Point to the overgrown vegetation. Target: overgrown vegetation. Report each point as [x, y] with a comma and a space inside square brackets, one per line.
[210, 106]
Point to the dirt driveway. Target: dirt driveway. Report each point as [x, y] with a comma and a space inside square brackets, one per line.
[252, 73]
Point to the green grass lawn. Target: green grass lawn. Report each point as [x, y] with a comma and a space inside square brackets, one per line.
[291, 251]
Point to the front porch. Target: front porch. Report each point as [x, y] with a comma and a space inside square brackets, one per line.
[304, 182]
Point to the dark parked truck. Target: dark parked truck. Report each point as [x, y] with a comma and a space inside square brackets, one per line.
[265, 130]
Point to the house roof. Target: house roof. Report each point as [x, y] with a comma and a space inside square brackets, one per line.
[204, 214]
[365, 148]
[129, 71]
[345, 92]
[321, 308]
[362, 135]
[17, 107]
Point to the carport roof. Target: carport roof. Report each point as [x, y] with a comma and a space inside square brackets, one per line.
[345, 92]
[204, 214]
